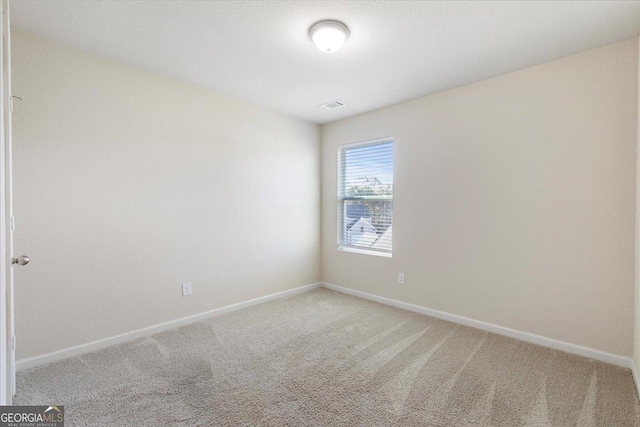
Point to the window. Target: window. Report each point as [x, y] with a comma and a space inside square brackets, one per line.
[365, 197]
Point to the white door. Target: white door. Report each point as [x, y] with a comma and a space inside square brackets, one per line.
[7, 223]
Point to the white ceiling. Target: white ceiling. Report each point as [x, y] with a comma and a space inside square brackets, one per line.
[260, 50]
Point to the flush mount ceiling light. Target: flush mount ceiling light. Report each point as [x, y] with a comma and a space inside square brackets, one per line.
[329, 36]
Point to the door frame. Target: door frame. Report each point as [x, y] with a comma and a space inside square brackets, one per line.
[7, 343]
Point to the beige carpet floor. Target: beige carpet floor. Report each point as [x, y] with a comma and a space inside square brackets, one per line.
[326, 359]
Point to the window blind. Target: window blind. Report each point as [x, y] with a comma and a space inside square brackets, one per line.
[365, 196]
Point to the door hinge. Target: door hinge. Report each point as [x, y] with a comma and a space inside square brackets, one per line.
[12, 223]
[11, 101]
[13, 343]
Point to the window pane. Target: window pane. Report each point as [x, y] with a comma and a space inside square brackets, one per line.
[367, 223]
[365, 193]
[367, 170]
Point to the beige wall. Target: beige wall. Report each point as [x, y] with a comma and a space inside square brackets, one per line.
[514, 200]
[128, 184]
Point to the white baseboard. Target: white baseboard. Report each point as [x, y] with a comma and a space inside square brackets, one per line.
[634, 371]
[501, 330]
[150, 330]
[54, 356]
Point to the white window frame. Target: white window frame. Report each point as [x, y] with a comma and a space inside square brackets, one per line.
[340, 198]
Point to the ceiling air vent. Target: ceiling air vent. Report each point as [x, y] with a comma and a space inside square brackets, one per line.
[332, 105]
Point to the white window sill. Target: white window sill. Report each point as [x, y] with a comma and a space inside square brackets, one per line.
[364, 251]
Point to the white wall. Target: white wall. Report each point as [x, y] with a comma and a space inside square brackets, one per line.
[128, 184]
[514, 200]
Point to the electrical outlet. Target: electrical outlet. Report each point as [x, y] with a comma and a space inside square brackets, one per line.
[186, 289]
[401, 278]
